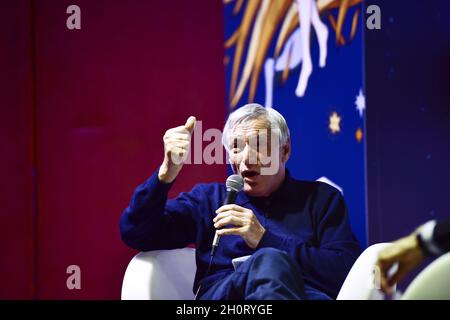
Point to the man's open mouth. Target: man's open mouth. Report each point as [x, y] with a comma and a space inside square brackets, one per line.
[249, 174]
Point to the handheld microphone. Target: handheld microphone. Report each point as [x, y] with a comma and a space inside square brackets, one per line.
[234, 184]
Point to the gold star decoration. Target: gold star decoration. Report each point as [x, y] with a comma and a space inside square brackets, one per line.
[335, 121]
[359, 135]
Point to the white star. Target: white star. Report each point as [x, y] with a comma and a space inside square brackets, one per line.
[360, 103]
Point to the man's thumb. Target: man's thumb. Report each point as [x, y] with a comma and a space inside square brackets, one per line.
[190, 123]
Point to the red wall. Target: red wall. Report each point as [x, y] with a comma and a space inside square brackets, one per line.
[105, 94]
[16, 160]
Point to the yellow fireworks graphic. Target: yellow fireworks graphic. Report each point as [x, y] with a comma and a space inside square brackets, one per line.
[260, 21]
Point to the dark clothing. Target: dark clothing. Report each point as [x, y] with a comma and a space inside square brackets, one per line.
[269, 274]
[441, 235]
[307, 220]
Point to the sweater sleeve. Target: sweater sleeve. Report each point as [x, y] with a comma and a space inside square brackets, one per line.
[151, 222]
[441, 235]
[326, 264]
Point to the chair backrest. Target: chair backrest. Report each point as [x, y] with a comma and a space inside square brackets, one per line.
[360, 283]
[432, 283]
[160, 275]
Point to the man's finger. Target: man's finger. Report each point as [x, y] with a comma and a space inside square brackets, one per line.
[385, 286]
[190, 124]
[177, 155]
[230, 231]
[384, 265]
[235, 221]
[228, 207]
[225, 214]
[177, 135]
[398, 276]
[178, 143]
[180, 129]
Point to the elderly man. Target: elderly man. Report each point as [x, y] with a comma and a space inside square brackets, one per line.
[297, 233]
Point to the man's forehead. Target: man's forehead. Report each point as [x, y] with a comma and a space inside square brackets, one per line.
[249, 128]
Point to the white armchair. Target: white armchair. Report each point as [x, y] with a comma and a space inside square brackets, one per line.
[433, 283]
[160, 275]
[169, 275]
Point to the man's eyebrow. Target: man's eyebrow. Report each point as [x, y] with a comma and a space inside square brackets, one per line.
[235, 140]
[238, 137]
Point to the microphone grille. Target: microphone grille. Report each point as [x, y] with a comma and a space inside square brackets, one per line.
[235, 182]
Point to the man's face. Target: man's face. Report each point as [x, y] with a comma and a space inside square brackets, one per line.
[256, 155]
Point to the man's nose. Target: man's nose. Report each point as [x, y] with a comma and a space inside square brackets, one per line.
[249, 156]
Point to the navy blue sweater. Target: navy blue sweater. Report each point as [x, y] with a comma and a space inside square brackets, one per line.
[306, 219]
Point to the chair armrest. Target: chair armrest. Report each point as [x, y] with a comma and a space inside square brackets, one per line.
[359, 283]
[432, 283]
[160, 275]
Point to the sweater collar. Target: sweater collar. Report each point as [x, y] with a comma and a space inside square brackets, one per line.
[279, 194]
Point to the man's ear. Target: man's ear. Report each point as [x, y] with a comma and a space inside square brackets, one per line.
[286, 152]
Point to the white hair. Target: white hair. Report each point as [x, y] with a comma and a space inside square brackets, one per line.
[253, 111]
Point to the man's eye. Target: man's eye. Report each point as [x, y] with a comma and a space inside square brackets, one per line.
[237, 144]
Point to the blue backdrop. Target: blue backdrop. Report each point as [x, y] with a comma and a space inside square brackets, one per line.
[327, 128]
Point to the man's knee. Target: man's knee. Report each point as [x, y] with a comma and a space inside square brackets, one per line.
[274, 259]
[273, 274]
